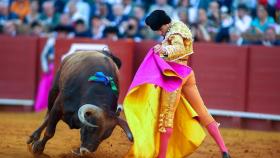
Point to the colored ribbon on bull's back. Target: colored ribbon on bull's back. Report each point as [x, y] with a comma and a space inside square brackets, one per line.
[141, 107]
[101, 77]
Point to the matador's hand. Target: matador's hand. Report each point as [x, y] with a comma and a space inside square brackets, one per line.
[158, 49]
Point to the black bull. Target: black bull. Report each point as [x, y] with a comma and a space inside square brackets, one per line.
[88, 106]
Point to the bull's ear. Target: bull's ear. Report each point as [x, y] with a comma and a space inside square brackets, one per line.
[123, 124]
[75, 122]
[117, 61]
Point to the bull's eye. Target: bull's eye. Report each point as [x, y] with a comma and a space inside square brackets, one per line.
[87, 114]
[107, 133]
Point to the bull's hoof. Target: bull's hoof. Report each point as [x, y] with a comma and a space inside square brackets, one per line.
[226, 155]
[33, 138]
[42, 155]
[37, 147]
[30, 140]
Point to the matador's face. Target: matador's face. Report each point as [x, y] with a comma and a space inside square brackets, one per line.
[163, 30]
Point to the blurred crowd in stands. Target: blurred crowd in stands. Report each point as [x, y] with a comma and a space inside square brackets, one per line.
[239, 22]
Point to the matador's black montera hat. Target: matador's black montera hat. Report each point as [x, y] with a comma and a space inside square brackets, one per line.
[156, 19]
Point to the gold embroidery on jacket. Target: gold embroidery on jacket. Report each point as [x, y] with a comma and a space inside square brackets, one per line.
[178, 42]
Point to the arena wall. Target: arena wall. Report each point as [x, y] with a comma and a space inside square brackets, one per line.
[242, 79]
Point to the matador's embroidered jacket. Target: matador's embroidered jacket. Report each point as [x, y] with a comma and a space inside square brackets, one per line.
[178, 43]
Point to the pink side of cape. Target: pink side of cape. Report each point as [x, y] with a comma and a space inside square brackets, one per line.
[151, 72]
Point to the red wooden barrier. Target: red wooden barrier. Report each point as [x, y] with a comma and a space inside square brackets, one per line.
[264, 80]
[122, 48]
[141, 49]
[17, 67]
[221, 75]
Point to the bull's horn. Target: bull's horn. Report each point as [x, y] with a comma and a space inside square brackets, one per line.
[96, 111]
[123, 124]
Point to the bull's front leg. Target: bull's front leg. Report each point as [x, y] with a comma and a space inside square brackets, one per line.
[51, 102]
[54, 116]
[37, 133]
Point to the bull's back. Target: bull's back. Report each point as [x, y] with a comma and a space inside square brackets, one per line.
[83, 64]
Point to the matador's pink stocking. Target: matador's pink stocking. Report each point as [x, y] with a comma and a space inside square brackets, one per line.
[215, 133]
[164, 138]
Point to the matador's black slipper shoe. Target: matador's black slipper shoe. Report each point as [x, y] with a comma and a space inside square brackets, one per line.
[226, 155]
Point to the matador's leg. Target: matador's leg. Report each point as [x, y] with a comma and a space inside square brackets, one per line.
[191, 93]
[168, 104]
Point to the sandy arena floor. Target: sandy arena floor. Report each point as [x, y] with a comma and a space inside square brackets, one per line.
[16, 127]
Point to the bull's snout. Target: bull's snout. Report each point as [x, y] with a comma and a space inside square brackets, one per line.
[84, 151]
[81, 151]
[91, 147]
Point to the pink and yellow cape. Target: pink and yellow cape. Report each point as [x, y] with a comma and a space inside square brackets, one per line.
[141, 107]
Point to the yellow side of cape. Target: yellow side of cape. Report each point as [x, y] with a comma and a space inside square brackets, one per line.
[141, 107]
